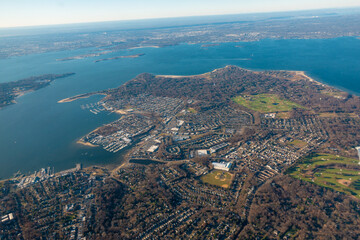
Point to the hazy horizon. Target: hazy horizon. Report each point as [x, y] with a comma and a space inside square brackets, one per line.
[186, 20]
[39, 13]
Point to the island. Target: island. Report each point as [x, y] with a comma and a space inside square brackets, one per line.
[119, 57]
[228, 154]
[9, 91]
[210, 45]
[89, 55]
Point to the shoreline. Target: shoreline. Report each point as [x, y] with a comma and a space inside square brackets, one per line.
[299, 73]
[121, 111]
[320, 82]
[120, 57]
[304, 75]
[206, 75]
[81, 142]
[182, 76]
[151, 46]
[80, 96]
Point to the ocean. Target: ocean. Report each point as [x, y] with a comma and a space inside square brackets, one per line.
[38, 132]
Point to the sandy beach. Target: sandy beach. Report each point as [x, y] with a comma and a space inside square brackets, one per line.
[85, 143]
[205, 75]
[121, 111]
[144, 47]
[303, 74]
[70, 99]
[299, 75]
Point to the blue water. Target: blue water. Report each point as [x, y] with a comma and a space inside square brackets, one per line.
[39, 132]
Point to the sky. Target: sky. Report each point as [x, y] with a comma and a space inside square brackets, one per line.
[14, 13]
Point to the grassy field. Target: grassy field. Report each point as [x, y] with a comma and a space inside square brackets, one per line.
[218, 178]
[330, 171]
[298, 143]
[192, 110]
[266, 103]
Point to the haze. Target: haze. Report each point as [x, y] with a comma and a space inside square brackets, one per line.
[45, 12]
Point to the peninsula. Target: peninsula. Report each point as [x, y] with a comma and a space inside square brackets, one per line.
[229, 154]
[85, 95]
[9, 91]
[223, 105]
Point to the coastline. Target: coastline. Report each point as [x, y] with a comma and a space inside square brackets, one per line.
[181, 76]
[320, 82]
[80, 96]
[81, 142]
[121, 111]
[298, 73]
[151, 46]
[337, 87]
[204, 75]
[304, 75]
[120, 57]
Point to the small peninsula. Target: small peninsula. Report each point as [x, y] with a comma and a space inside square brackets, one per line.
[9, 91]
[85, 95]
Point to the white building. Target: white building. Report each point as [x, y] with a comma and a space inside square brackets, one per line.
[6, 218]
[222, 165]
[202, 152]
[358, 150]
[153, 148]
[270, 115]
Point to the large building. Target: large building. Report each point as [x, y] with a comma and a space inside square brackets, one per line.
[153, 148]
[202, 152]
[222, 165]
[358, 151]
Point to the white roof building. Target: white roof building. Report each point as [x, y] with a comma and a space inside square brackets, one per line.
[222, 165]
[202, 152]
[153, 148]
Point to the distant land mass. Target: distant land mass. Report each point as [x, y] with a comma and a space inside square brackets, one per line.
[90, 55]
[120, 57]
[84, 56]
[234, 28]
[11, 90]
